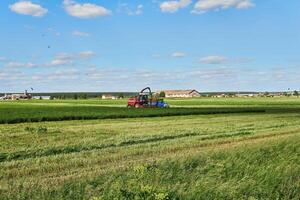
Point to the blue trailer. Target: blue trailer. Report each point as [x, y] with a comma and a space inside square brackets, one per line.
[160, 103]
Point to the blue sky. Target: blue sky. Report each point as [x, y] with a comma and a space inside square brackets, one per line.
[122, 45]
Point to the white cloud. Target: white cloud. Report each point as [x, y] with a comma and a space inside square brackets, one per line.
[53, 31]
[28, 8]
[86, 10]
[86, 54]
[64, 74]
[212, 78]
[139, 10]
[20, 64]
[125, 8]
[214, 60]
[178, 55]
[2, 59]
[11, 74]
[68, 59]
[59, 62]
[203, 6]
[80, 34]
[174, 6]
[217, 72]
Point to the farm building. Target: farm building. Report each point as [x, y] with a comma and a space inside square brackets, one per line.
[25, 95]
[42, 97]
[247, 95]
[181, 93]
[109, 96]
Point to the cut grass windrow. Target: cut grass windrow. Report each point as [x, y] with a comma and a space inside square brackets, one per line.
[75, 149]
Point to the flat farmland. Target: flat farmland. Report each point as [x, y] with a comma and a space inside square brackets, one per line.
[225, 149]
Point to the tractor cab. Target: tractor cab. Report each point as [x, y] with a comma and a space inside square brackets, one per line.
[143, 99]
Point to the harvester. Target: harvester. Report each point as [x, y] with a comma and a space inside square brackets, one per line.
[145, 99]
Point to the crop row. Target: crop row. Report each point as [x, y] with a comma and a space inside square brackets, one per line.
[75, 149]
[35, 113]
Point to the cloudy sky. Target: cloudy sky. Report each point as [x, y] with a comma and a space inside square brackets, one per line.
[122, 45]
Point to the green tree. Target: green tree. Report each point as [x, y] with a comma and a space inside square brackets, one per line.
[162, 94]
[121, 96]
[75, 96]
[296, 93]
[84, 96]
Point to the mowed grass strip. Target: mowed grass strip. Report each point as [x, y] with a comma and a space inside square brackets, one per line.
[19, 113]
[144, 141]
[74, 136]
[266, 169]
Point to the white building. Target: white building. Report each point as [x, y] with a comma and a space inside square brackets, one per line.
[109, 96]
[42, 97]
[181, 93]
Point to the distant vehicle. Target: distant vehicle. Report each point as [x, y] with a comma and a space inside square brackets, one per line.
[146, 100]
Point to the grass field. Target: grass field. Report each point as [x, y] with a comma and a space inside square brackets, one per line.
[218, 149]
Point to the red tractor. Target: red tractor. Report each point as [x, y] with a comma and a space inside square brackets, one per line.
[145, 100]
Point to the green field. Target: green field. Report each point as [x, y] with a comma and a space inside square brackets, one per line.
[199, 149]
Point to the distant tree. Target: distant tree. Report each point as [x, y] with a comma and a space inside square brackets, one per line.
[75, 96]
[162, 94]
[266, 94]
[51, 97]
[296, 93]
[84, 96]
[121, 96]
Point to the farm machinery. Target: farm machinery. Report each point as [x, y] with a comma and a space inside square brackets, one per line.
[145, 99]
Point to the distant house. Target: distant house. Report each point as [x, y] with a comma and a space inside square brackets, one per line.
[109, 96]
[42, 97]
[181, 93]
[219, 96]
[248, 95]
